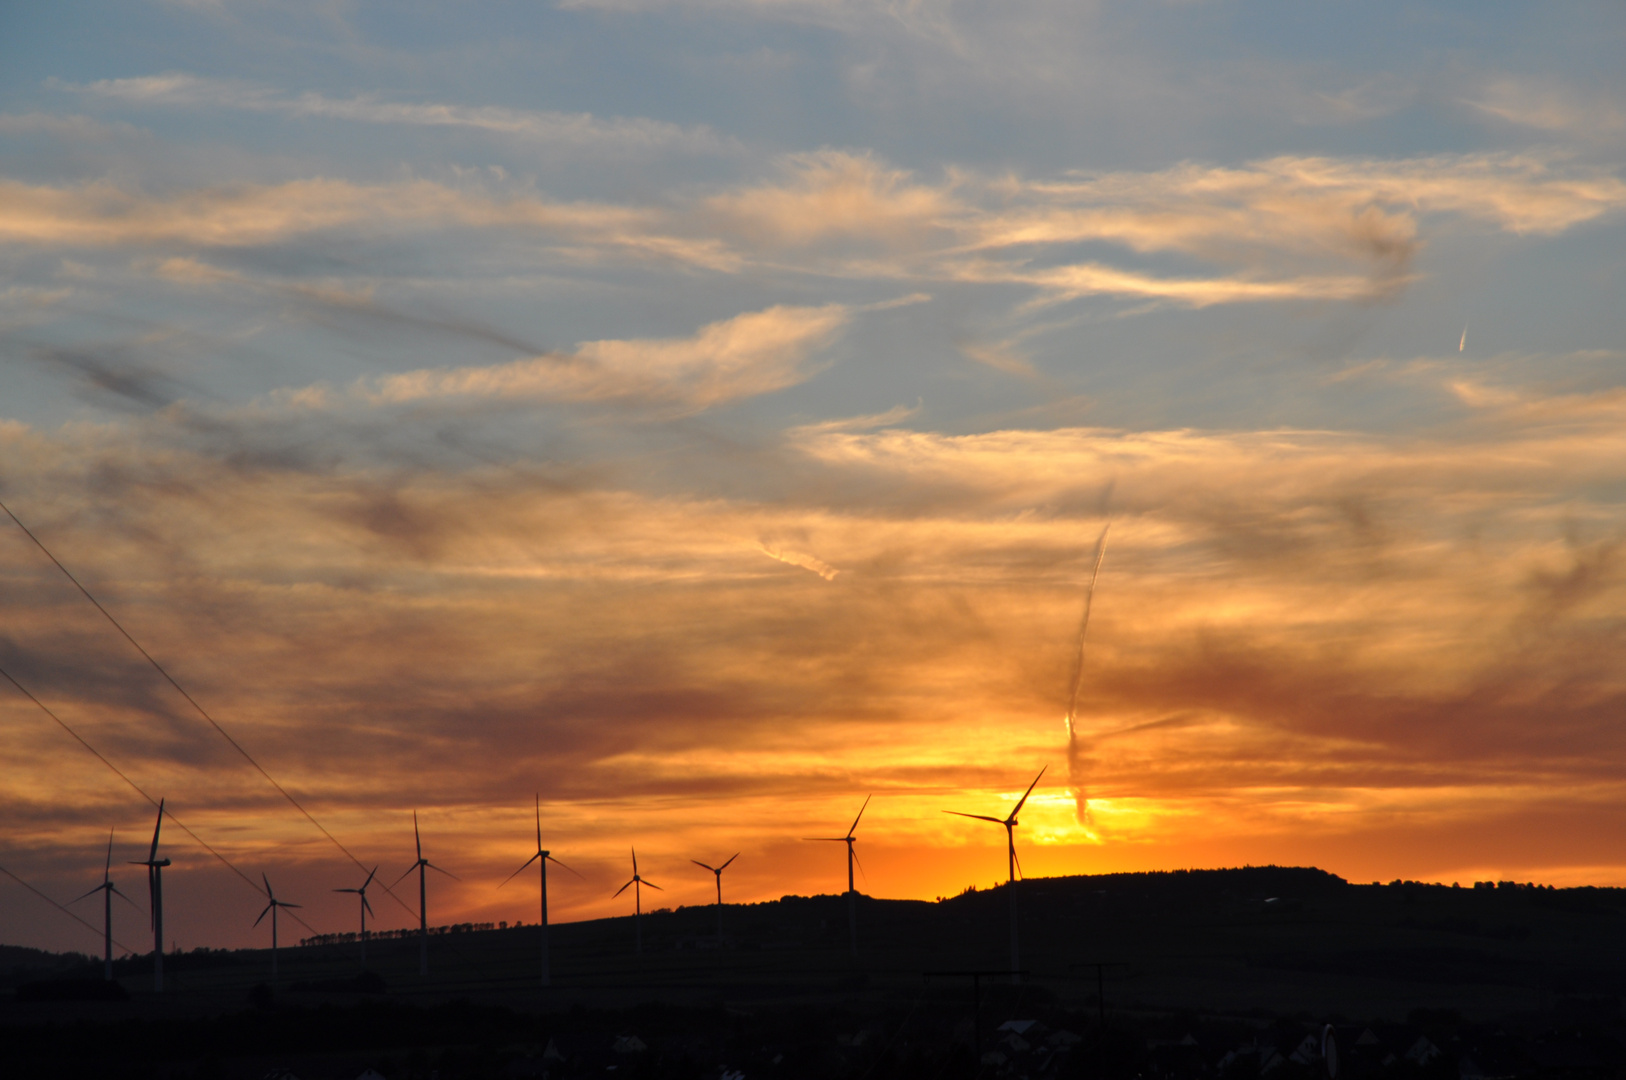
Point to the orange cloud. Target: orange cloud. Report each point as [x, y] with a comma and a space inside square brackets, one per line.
[104, 214]
[750, 354]
[836, 195]
[1279, 229]
[1304, 645]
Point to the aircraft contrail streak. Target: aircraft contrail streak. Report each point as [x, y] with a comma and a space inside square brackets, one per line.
[1076, 781]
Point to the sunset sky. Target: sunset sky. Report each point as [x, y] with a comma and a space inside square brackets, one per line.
[704, 412]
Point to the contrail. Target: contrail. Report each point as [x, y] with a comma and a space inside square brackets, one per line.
[1073, 750]
[1463, 344]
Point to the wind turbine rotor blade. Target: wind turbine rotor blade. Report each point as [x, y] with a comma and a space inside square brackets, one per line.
[403, 876]
[651, 884]
[861, 810]
[369, 880]
[516, 873]
[1018, 860]
[283, 904]
[92, 892]
[1028, 792]
[731, 858]
[416, 838]
[347, 890]
[556, 862]
[267, 881]
[539, 821]
[697, 862]
[108, 869]
[438, 870]
[979, 817]
[126, 899]
[366, 905]
[634, 862]
[831, 839]
[622, 889]
[264, 913]
[152, 856]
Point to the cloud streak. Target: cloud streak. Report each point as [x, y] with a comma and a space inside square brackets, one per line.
[1282, 229]
[578, 130]
[751, 354]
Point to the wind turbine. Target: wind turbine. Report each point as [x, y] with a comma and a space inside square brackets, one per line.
[637, 899]
[272, 909]
[541, 858]
[852, 894]
[718, 870]
[107, 889]
[365, 908]
[155, 889]
[1010, 824]
[423, 904]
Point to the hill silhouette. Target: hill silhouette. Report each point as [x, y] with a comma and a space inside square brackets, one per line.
[1230, 954]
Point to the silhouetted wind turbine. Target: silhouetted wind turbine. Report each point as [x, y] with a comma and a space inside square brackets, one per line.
[365, 908]
[852, 893]
[423, 902]
[1010, 824]
[272, 909]
[107, 889]
[542, 858]
[637, 899]
[718, 870]
[155, 889]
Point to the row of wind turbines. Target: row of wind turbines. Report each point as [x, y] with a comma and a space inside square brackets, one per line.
[541, 857]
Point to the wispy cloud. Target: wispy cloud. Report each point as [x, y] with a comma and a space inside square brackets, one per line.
[1552, 106]
[79, 128]
[1276, 230]
[107, 214]
[581, 130]
[750, 354]
[837, 195]
[1526, 193]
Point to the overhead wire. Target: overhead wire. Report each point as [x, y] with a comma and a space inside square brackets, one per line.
[193, 701]
[64, 909]
[170, 814]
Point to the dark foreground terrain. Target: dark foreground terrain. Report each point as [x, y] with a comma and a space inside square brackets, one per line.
[1227, 974]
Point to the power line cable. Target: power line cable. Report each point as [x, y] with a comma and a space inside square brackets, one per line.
[138, 790]
[70, 914]
[193, 702]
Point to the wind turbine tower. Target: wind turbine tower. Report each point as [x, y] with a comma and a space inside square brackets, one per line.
[423, 902]
[155, 889]
[852, 893]
[637, 884]
[365, 908]
[718, 870]
[271, 908]
[107, 889]
[1010, 823]
[541, 858]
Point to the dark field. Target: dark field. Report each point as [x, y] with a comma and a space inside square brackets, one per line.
[1204, 973]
